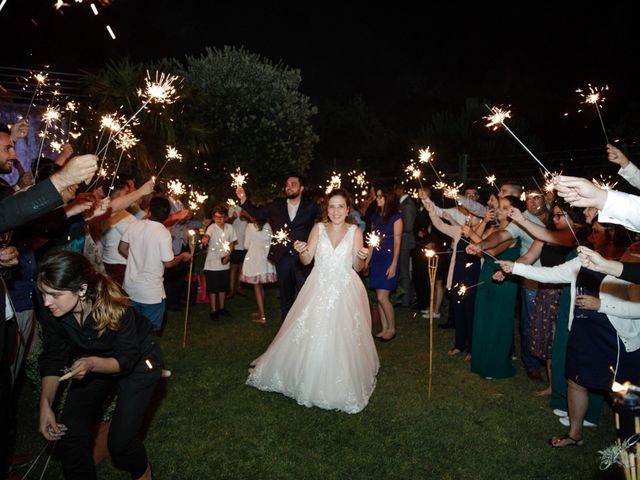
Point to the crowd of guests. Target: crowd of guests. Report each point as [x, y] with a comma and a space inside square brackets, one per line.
[97, 263]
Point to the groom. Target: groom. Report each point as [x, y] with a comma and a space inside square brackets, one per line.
[299, 216]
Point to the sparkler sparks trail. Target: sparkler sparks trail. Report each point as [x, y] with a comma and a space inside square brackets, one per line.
[196, 199]
[334, 182]
[604, 183]
[594, 97]
[497, 118]
[281, 237]
[238, 179]
[51, 115]
[231, 202]
[373, 239]
[453, 190]
[176, 187]
[360, 184]
[126, 140]
[161, 90]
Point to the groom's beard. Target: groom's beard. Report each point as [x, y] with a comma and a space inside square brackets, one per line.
[292, 196]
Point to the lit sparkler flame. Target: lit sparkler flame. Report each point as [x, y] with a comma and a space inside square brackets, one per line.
[281, 237]
[592, 95]
[604, 183]
[51, 115]
[373, 239]
[226, 246]
[172, 153]
[425, 155]
[497, 118]
[196, 199]
[334, 182]
[453, 190]
[126, 139]
[162, 90]
[462, 290]
[110, 122]
[231, 202]
[71, 106]
[429, 253]
[238, 179]
[55, 146]
[41, 78]
[176, 187]
[491, 180]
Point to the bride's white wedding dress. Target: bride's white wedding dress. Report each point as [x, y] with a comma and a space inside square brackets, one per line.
[324, 354]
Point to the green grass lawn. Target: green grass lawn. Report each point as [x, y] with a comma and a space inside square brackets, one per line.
[210, 425]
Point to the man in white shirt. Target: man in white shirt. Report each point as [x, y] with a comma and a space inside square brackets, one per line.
[146, 245]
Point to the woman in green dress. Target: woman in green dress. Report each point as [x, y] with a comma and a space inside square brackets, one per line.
[495, 308]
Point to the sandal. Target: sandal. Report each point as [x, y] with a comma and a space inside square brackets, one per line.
[565, 441]
[454, 351]
[260, 320]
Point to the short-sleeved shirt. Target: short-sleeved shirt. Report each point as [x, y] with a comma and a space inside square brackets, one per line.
[219, 241]
[517, 232]
[239, 226]
[149, 246]
[111, 239]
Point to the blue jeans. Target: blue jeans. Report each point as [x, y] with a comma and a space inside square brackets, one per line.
[527, 296]
[153, 311]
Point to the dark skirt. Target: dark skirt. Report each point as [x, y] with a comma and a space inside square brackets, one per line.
[592, 351]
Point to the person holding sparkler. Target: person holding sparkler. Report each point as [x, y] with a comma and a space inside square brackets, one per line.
[324, 354]
[220, 240]
[601, 335]
[87, 320]
[383, 265]
[512, 231]
[146, 244]
[628, 170]
[492, 340]
[293, 214]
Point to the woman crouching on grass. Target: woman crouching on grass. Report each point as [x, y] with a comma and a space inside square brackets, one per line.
[87, 323]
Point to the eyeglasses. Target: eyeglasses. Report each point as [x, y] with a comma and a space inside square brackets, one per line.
[558, 215]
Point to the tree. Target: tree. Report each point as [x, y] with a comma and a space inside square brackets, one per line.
[260, 119]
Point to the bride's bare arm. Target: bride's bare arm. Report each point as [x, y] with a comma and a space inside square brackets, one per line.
[360, 253]
[307, 250]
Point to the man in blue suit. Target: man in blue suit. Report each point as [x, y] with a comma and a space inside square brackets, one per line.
[297, 216]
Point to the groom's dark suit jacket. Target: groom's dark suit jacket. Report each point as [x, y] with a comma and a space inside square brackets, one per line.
[278, 214]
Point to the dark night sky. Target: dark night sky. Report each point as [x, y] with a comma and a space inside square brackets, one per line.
[405, 62]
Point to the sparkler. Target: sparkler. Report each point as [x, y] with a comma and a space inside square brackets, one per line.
[604, 183]
[594, 97]
[124, 141]
[176, 187]
[41, 79]
[334, 182]
[483, 251]
[281, 237]
[172, 154]
[414, 172]
[463, 289]
[50, 116]
[359, 182]
[491, 179]
[231, 202]
[373, 239]
[497, 118]
[426, 156]
[453, 190]
[238, 179]
[196, 199]
[162, 91]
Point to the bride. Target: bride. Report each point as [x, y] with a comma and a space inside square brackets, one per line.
[324, 354]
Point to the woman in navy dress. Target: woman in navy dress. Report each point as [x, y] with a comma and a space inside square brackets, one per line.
[383, 267]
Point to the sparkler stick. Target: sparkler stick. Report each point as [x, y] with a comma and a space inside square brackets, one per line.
[172, 154]
[497, 119]
[41, 78]
[483, 251]
[594, 97]
[113, 179]
[192, 249]
[432, 265]
[464, 289]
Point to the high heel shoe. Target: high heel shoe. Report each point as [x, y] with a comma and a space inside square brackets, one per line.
[382, 339]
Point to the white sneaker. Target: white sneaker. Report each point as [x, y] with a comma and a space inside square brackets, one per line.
[165, 373]
[560, 413]
[426, 314]
[565, 421]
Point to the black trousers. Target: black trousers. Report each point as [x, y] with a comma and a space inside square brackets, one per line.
[291, 276]
[84, 404]
[8, 335]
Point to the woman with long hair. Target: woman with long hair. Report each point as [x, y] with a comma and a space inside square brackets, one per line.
[383, 265]
[91, 332]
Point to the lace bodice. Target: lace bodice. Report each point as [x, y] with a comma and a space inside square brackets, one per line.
[328, 259]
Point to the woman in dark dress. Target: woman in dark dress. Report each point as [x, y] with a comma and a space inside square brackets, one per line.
[383, 266]
[87, 323]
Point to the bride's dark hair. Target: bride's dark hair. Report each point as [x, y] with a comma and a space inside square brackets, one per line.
[337, 192]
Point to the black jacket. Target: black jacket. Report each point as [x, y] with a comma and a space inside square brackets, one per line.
[278, 214]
